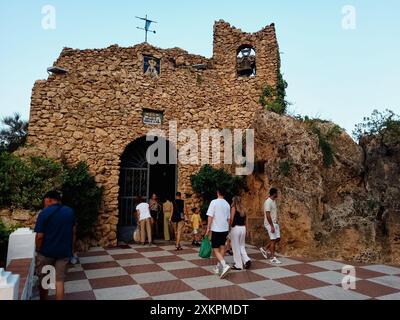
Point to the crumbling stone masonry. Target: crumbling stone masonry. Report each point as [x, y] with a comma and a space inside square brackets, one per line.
[95, 110]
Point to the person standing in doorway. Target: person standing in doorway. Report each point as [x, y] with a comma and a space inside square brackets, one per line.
[218, 223]
[272, 227]
[55, 239]
[144, 217]
[238, 235]
[155, 212]
[178, 218]
[168, 208]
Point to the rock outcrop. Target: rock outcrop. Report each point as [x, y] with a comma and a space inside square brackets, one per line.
[346, 211]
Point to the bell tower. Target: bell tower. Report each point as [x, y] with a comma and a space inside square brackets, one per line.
[239, 55]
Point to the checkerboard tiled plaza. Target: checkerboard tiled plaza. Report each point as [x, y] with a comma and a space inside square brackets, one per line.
[160, 272]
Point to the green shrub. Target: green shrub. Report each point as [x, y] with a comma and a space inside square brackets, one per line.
[327, 151]
[5, 232]
[285, 167]
[206, 182]
[274, 99]
[324, 139]
[383, 125]
[325, 144]
[23, 182]
[276, 107]
[81, 193]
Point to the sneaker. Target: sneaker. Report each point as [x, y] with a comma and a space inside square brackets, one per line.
[225, 271]
[234, 268]
[247, 264]
[274, 260]
[264, 253]
[216, 270]
[74, 260]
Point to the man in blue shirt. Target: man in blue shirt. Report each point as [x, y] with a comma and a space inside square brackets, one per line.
[55, 238]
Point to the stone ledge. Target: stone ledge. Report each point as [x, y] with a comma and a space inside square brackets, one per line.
[22, 267]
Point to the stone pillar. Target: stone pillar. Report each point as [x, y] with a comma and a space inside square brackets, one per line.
[21, 245]
[21, 261]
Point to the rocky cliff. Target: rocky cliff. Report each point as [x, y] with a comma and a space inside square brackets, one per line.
[346, 208]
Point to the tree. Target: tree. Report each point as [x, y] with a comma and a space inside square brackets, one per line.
[385, 126]
[81, 193]
[208, 180]
[14, 134]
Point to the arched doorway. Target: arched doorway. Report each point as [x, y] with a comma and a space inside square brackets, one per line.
[140, 179]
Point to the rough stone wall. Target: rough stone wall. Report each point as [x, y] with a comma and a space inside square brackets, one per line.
[382, 181]
[95, 111]
[325, 212]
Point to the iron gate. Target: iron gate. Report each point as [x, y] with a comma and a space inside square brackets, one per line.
[134, 184]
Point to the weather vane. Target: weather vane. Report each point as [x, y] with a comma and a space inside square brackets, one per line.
[146, 26]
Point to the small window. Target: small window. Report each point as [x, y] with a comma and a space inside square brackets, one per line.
[151, 66]
[246, 61]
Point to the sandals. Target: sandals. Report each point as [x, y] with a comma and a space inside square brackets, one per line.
[179, 248]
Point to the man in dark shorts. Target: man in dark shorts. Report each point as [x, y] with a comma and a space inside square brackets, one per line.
[218, 223]
[55, 239]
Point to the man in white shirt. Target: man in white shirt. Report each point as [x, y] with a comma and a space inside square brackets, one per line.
[144, 218]
[218, 223]
[272, 226]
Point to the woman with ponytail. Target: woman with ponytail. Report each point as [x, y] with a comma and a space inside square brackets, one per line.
[238, 235]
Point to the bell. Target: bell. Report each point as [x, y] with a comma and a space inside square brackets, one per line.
[245, 66]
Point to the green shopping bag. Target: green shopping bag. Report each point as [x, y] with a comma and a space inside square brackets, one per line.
[205, 248]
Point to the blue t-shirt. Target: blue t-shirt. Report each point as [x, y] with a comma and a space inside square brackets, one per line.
[57, 241]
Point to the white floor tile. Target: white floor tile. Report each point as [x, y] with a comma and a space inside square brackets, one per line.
[104, 273]
[335, 293]
[134, 262]
[77, 286]
[152, 277]
[121, 293]
[206, 282]
[95, 259]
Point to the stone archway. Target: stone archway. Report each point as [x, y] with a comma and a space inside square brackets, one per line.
[139, 179]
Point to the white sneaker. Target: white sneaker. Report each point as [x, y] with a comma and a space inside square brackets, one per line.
[225, 271]
[274, 260]
[216, 270]
[264, 253]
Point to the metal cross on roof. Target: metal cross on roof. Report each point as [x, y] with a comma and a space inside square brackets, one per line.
[146, 26]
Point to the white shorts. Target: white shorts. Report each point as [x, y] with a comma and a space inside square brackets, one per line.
[276, 235]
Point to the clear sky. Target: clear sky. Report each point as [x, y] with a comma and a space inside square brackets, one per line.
[335, 73]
